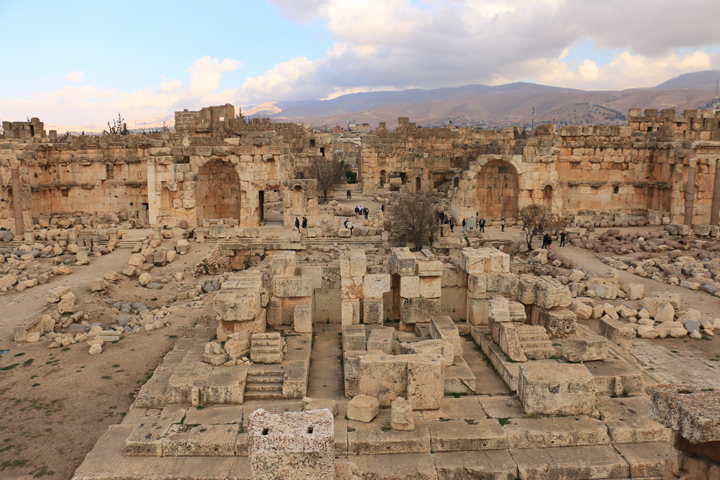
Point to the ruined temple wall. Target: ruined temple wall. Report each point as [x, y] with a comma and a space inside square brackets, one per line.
[89, 175]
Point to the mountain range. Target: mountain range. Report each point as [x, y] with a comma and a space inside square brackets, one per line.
[496, 106]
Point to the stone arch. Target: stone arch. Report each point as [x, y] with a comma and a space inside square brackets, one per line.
[217, 191]
[497, 190]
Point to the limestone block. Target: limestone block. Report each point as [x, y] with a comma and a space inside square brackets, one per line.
[432, 268]
[634, 291]
[474, 261]
[57, 270]
[347, 316]
[144, 279]
[358, 263]
[402, 262]
[526, 289]
[443, 328]
[316, 273]
[66, 306]
[292, 286]
[351, 287]
[302, 318]
[550, 293]
[606, 291]
[587, 348]
[375, 285]
[235, 306]
[354, 338]
[430, 347]
[351, 369]
[477, 283]
[617, 332]
[410, 286]
[453, 276]
[283, 264]
[419, 310]
[182, 247]
[509, 341]
[558, 322]
[363, 408]
[556, 389]
[381, 339]
[429, 287]
[54, 295]
[690, 410]
[292, 445]
[401, 415]
[136, 260]
[373, 311]
[425, 381]
[383, 377]
[581, 309]
[477, 311]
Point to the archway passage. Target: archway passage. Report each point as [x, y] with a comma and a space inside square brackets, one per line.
[217, 192]
[497, 190]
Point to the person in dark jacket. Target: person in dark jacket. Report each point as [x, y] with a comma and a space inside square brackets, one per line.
[297, 224]
[563, 234]
[304, 223]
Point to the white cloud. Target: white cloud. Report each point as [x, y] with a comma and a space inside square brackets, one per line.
[206, 72]
[74, 76]
[170, 86]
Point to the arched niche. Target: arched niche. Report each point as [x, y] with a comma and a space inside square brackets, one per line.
[497, 190]
[217, 191]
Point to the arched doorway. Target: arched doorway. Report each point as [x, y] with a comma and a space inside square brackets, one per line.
[383, 178]
[497, 190]
[297, 199]
[548, 195]
[217, 192]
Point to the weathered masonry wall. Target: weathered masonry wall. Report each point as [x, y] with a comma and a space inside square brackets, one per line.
[216, 165]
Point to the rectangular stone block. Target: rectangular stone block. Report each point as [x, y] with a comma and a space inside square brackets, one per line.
[587, 348]
[690, 410]
[474, 261]
[550, 293]
[383, 377]
[375, 285]
[443, 328]
[302, 319]
[433, 268]
[283, 263]
[348, 312]
[425, 381]
[358, 263]
[354, 338]
[558, 322]
[315, 272]
[292, 286]
[292, 445]
[556, 389]
[402, 262]
[617, 332]
[373, 312]
[351, 369]
[430, 347]
[504, 283]
[381, 339]
[477, 310]
[429, 287]
[477, 283]
[225, 385]
[233, 306]
[410, 287]
[419, 310]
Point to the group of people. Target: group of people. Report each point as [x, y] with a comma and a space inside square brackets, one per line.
[360, 210]
[444, 219]
[304, 223]
[547, 239]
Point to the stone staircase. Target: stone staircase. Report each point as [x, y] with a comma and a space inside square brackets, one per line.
[264, 385]
[266, 348]
[535, 342]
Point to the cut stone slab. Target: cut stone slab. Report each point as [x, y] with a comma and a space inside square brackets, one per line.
[555, 432]
[690, 410]
[628, 420]
[147, 437]
[587, 348]
[396, 467]
[485, 465]
[457, 408]
[378, 437]
[184, 440]
[459, 379]
[502, 406]
[363, 408]
[401, 415]
[646, 460]
[454, 435]
[443, 328]
[617, 332]
[592, 462]
[556, 389]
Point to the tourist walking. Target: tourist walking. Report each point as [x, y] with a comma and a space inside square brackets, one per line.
[463, 225]
[546, 241]
[304, 223]
[482, 224]
[452, 224]
[366, 212]
[502, 224]
[349, 194]
[297, 224]
[563, 234]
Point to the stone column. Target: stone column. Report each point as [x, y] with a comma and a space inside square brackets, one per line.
[715, 209]
[17, 201]
[152, 198]
[690, 193]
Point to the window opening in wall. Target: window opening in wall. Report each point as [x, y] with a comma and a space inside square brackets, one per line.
[418, 185]
[310, 430]
[322, 151]
[616, 189]
[65, 192]
[312, 143]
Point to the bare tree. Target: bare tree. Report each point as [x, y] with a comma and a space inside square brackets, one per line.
[413, 214]
[118, 127]
[327, 172]
[538, 220]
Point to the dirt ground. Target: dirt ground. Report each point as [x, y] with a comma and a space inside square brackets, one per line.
[56, 403]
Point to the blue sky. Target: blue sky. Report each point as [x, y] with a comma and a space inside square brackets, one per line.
[75, 64]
